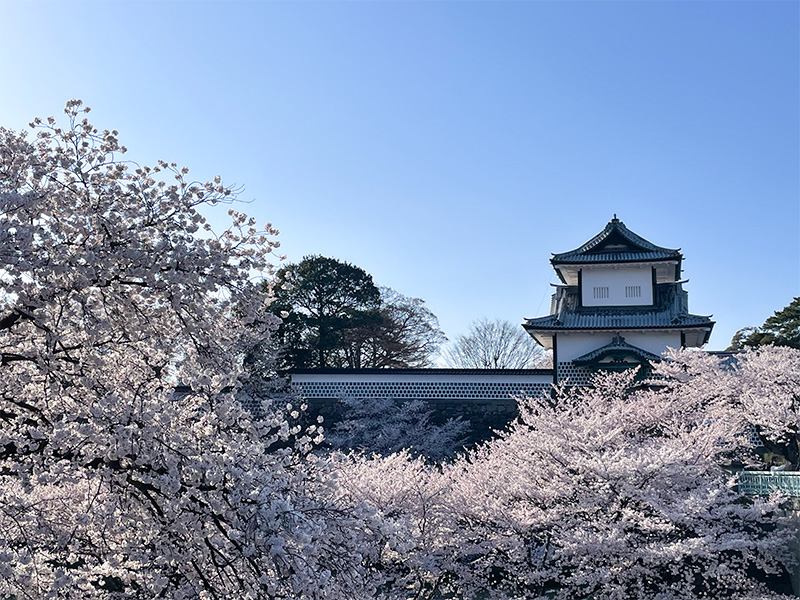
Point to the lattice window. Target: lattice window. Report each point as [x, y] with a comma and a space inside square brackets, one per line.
[633, 291]
[601, 291]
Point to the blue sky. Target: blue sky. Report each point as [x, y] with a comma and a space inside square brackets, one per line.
[448, 148]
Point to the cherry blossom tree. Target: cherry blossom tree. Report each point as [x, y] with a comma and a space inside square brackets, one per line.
[420, 537]
[386, 426]
[112, 485]
[114, 288]
[608, 492]
[762, 385]
[770, 398]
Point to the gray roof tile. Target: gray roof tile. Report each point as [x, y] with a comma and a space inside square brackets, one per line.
[616, 243]
[611, 319]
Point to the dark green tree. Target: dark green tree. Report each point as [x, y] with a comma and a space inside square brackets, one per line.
[321, 301]
[781, 329]
[333, 315]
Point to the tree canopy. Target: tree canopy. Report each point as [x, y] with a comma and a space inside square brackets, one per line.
[781, 329]
[406, 334]
[321, 301]
[494, 344]
[111, 484]
[333, 315]
[612, 491]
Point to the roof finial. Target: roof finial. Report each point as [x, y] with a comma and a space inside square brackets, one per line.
[615, 216]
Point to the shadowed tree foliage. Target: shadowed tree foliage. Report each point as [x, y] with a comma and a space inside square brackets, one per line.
[781, 329]
[406, 334]
[335, 316]
[321, 301]
[386, 425]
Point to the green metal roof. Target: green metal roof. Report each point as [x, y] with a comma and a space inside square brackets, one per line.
[616, 244]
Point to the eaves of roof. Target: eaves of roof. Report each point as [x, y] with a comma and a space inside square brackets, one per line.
[612, 320]
[614, 257]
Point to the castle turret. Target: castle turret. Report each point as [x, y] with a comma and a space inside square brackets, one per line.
[620, 304]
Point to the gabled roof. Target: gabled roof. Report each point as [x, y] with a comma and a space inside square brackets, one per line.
[615, 244]
[617, 349]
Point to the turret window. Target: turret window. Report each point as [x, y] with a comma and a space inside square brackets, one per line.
[633, 291]
[601, 291]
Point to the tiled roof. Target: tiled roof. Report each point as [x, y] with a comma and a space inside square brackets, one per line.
[615, 244]
[611, 257]
[668, 311]
[409, 371]
[617, 344]
[617, 319]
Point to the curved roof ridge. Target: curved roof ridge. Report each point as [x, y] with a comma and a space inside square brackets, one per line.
[646, 249]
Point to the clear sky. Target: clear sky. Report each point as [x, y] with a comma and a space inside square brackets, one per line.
[448, 148]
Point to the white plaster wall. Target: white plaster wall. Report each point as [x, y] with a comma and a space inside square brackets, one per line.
[655, 342]
[573, 345]
[616, 279]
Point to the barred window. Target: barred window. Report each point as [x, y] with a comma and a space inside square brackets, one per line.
[633, 291]
[601, 292]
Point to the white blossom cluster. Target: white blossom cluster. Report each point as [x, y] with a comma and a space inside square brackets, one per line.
[113, 486]
[615, 491]
[110, 484]
[385, 426]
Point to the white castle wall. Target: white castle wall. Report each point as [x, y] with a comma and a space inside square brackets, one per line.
[653, 341]
[486, 401]
[572, 345]
[617, 281]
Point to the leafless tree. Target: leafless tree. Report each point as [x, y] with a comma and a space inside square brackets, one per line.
[495, 344]
[405, 333]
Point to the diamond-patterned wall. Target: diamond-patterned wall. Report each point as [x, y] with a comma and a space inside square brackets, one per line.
[429, 390]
